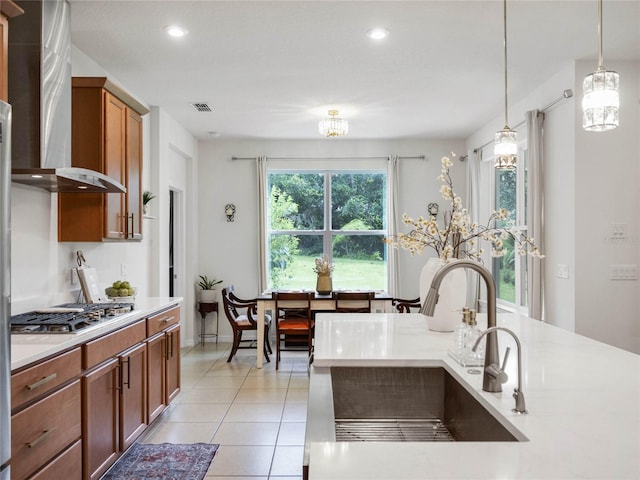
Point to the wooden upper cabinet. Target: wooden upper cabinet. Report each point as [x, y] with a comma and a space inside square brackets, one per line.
[8, 9]
[106, 136]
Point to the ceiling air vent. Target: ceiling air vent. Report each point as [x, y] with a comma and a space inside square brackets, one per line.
[201, 107]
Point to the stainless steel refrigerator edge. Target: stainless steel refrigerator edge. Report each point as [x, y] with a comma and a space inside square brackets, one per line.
[5, 289]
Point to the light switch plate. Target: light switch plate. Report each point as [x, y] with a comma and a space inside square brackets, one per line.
[562, 270]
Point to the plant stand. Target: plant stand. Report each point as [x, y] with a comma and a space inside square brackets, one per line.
[205, 308]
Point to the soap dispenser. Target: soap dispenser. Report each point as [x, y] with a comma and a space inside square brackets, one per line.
[456, 351]
[471, 358]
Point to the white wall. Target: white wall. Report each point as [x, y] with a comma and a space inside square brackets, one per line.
[174, 159]
[591, 181]
[229, 250]
[606, 182]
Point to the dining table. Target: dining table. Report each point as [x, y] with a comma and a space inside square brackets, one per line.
[320, 303]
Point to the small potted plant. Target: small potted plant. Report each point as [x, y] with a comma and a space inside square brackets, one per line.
[147, 196]
[207, 288]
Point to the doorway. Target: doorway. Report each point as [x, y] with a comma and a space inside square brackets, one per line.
[176, 263]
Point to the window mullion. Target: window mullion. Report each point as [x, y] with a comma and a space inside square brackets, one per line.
[327, 239]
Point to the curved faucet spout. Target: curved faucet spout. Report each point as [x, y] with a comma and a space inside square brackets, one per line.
[491, 356]
[518, 394]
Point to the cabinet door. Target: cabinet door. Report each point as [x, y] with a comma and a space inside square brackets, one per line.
[156, 373]
[133, 398]
[100, 414]
[134, 174]
[173, 363]
[114, 155]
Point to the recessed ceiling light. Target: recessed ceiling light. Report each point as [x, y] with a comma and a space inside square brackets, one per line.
[176, 31]
[377, 33]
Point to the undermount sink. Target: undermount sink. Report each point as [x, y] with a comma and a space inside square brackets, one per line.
[410, 404]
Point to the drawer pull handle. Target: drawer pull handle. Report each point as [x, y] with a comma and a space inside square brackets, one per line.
[42, 381]
[42, 436]
[167, 319]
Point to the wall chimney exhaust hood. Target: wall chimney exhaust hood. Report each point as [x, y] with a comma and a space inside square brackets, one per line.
[40, 96]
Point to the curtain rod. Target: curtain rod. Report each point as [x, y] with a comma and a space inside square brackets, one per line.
[419, 157]
[568, 93]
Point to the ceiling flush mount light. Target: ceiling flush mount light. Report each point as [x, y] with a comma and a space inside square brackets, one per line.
[601, 99]
[176, 31]
[506, 147]
[377, 33]
[334, 126]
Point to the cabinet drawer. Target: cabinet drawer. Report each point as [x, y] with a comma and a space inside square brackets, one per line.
[68, 465]
[45, 376]
[162, 320]
[40, 432]
[103, 348]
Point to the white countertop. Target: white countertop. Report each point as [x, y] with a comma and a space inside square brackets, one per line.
[29, 348]
[583, 399]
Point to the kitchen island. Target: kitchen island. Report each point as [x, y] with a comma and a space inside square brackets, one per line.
[583, 399]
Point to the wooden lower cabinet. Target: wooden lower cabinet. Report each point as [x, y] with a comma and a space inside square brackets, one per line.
[100, 418]
[173, 363]
[163, 383]
[133, 395]
[44, 429]
[156, 398]
[114, 409]
[67, 466]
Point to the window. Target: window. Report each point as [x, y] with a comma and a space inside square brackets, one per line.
[340, 214]
[510, 271]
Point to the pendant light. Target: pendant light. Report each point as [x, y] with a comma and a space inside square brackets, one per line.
[601, 99]
[505, 147]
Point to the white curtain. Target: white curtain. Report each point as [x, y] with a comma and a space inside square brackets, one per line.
[261, 164]
[474, 160]
[392, 221]
[535, 226]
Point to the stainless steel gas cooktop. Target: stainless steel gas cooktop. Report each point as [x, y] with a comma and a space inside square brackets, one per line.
[68, 318]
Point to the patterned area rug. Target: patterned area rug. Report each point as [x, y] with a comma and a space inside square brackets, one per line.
[165, 461]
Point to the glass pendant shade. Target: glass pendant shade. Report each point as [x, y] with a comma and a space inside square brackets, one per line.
[334, 126]
[506, 149]
[601, 101]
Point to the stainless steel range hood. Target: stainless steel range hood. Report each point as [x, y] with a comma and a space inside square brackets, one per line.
[40, 95]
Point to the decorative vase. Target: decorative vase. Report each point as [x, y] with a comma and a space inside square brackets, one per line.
[324, 285]
[452, 295]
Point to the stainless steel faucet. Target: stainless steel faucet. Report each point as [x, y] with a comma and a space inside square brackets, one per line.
[491, 356]
[499, 371]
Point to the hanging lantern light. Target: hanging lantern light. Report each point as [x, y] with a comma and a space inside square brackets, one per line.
[601, 99]
[334, 126]
[505, 148]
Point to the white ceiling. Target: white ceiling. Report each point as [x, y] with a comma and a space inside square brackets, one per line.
[273, 69]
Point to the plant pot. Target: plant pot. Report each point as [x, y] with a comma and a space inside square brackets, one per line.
[324, 285]
[208, 296]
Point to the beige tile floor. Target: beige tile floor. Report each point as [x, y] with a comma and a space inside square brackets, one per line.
[256, 415]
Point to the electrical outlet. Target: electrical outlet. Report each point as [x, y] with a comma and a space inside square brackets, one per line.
[74, 276]
[618, 230]
[562, 270]
[624, 272]
[123, 270]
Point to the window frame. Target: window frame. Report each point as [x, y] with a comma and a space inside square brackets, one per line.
[520, 304]
[328, 233]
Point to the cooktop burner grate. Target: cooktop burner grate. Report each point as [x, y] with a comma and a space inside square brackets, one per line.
[57, 320]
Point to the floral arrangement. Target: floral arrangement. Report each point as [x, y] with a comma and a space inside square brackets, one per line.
[323, 266]
[459, 236]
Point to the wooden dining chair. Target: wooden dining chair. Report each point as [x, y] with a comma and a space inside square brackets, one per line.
[353, 302]
[293, 319]
[242, 314]
[404, 305]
